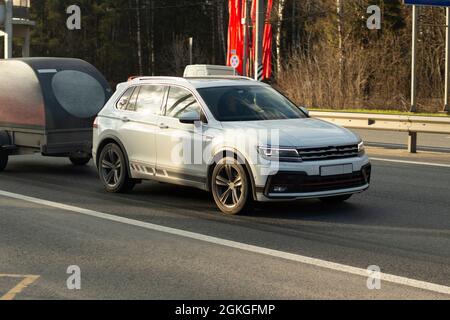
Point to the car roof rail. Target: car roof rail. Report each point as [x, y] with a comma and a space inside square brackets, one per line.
[220, 78]
[143, 78]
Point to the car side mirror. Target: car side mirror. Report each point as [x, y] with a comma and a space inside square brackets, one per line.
[190, 117]
[305, 111]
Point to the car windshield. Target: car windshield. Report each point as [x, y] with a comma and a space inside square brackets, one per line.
[249, 103]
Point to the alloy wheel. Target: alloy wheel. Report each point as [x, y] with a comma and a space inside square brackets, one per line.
[229, 186]
[111, 167]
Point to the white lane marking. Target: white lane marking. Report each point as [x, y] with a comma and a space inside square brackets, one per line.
[413, 162]
[235, 245]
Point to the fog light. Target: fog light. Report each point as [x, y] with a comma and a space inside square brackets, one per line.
[367, 172]
[279, 189]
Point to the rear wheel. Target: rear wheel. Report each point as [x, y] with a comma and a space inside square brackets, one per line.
[80, 161]
[3, 160]
[112, 167]
[230, 187]
[337, 199]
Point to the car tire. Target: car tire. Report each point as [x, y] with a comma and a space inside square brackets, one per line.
[336, 199]
[80, 161]
[113, 170]
[3, 160]
[231, 187]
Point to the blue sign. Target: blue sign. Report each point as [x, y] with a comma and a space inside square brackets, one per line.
[438, 3]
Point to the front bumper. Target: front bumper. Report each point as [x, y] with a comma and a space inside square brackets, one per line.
[295, 185]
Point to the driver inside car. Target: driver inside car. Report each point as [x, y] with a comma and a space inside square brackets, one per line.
[231, 106]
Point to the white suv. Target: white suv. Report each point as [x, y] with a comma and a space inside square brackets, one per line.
[237, 138]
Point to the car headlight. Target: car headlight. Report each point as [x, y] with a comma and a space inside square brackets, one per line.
[361, 149]
[279, 154]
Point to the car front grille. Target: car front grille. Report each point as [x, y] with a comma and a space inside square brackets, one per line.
[328, 153]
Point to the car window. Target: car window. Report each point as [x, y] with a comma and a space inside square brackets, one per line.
[150, 99]
[249, 103]
[122, 104]
[181, 101]
[133, 101]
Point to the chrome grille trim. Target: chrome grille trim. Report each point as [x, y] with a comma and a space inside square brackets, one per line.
[328, 153]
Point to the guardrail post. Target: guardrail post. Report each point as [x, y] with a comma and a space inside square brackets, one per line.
[412, 142]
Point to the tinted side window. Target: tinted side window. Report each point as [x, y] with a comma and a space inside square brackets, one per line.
[122, 104]
[181, 101]
[150, 99]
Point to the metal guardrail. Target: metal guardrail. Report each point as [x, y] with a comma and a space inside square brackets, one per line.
[401, 123]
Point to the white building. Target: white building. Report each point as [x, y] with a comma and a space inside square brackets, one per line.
[15, 23]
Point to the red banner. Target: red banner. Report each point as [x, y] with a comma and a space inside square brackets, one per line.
[236, 35]
[267, 43]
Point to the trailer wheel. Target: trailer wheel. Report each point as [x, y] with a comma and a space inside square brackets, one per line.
[3, 160]
[80, 161]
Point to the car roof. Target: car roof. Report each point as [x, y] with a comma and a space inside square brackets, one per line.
[201, 82]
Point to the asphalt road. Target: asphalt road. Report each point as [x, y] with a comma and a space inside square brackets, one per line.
[401, 225]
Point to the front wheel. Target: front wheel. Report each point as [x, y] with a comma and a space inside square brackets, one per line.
[80, 161]
[230, 187]
[3, 160]
[112, 167]
[336, 199]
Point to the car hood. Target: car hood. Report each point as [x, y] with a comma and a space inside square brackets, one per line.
[301, 133]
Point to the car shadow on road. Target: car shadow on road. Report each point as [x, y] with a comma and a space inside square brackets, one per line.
[189, 198]
[38, 165]
[53, 170]
[306, 209]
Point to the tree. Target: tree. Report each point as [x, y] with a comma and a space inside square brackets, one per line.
[278, 35]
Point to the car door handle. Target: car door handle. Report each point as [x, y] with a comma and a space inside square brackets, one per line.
[125, 119]
[163, 126]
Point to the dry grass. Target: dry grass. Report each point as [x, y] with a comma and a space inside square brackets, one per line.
[374, 74]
